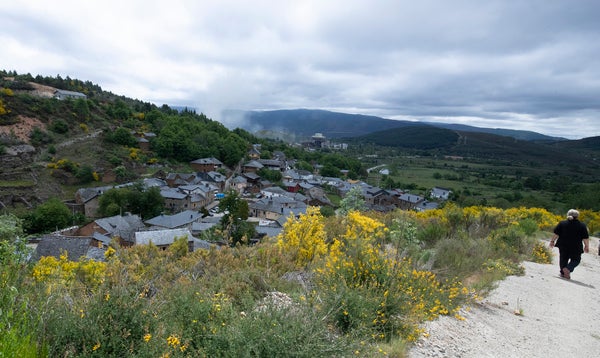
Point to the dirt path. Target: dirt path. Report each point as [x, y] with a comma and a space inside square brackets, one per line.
[560, 318]
[79, 138]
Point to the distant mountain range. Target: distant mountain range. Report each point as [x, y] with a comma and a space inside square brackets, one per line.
[306, 122]
[499, 145]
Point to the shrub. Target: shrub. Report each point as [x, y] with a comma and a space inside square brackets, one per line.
[371, 292]
[59, 126]
[304, 237]
[85, 174]
[541, 253]
[37, 137]
[49, 216]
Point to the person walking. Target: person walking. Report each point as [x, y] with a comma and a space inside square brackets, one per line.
[568, 236]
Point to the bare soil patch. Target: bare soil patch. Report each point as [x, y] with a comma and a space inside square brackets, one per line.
[22, 129]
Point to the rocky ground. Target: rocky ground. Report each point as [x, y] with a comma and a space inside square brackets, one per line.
[536, 315]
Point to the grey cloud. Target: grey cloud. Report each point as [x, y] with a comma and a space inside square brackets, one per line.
[517, 63]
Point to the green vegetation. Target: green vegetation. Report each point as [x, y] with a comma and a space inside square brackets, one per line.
[354, 285]
[49, 216]
[135, 199]
[16, 183]
[234, 227]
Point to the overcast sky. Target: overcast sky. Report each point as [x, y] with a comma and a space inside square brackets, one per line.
[522, 64]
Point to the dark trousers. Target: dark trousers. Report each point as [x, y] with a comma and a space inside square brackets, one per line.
[569, 258]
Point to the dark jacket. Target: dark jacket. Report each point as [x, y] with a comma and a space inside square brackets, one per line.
[571, 234]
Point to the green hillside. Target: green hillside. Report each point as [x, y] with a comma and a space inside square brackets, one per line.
[99, 137]
[420, 137]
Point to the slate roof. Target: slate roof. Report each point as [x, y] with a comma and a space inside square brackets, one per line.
[202, 226]
[174, 221]
[189, 178]
[274, 190]
[76, 247]
[161, 237]
[306, 186]
[239, 180]
[411, 198]
[213, 176]
[427, 205]
[439, 192]
[210, 160]
[251, 176]
[253, 164]
[60, 93]
[292, 174]
[268, 230]
[289, 183]
[299, 197]
[87, 194]
[271, 162]
[122, 226]
[172, 194]
[202, 244]
[154, 182]
[102, 238]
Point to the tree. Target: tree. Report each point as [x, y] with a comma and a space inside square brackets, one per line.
[38, 137]
[112, 202]
[122, 136]
[59, 126]
[270, 175]
[135, 199]
[330, 171]
[85, 174]
[304, 165]
[13, 246]
[49, 216]
[353, 201]
[81, 108]
[233, 222]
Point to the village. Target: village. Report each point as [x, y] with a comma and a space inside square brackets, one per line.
[191, 205]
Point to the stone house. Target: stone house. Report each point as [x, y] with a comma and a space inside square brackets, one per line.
[252, 166]
[89, 198]
[408, 201]
[164, 238]
[440, 193]
[205, 165]
[64, 94]
[121, 226]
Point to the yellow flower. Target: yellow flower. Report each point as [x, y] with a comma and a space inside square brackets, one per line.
[173, 340]
[96, 346]
[147, 337]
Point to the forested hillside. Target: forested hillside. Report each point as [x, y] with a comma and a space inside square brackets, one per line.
[97, 137]
[305, 122]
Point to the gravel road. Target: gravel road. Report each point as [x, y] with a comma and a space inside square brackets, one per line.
[536, 315]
